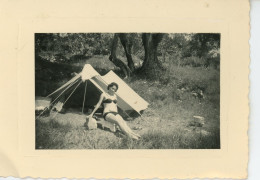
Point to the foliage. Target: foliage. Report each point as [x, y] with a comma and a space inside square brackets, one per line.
[63, 46]
[198, 49]
[203, 43]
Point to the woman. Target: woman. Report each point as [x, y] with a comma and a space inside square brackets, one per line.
[110, 112]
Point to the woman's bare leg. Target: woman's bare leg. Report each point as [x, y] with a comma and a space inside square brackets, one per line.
[126, 126]
[118, 120]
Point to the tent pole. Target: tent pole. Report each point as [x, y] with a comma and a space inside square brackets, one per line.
[84, 98]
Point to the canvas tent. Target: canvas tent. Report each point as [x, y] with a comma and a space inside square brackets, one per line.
[94, 84]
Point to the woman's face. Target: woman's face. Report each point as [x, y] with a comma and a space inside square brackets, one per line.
[112, 89]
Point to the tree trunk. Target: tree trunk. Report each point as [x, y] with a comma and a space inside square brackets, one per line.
[151, 63]
[126, 41]
[113, 58]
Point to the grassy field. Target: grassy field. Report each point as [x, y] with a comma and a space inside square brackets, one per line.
[175, 97]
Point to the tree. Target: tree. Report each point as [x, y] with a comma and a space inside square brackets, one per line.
[175, 46]
[118, 62]
[202, 43]
[150, 44]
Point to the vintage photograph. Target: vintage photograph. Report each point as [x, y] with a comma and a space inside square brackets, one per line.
[127, 90]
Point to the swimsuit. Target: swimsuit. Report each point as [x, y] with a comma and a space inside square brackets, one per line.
[109, 101]
[105, 114]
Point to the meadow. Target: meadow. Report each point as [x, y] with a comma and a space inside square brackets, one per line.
[177, 97]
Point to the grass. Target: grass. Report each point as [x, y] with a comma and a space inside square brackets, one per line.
[52, 135]
[166, 123]
[55, 135]
[171, 140]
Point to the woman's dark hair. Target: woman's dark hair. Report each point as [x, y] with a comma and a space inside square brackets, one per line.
[112, 84]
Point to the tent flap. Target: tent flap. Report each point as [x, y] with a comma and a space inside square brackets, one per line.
[126, 93]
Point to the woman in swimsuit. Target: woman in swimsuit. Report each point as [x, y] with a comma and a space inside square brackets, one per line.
[110, 112]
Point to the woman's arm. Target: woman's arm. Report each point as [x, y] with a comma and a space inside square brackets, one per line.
[98, 104]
